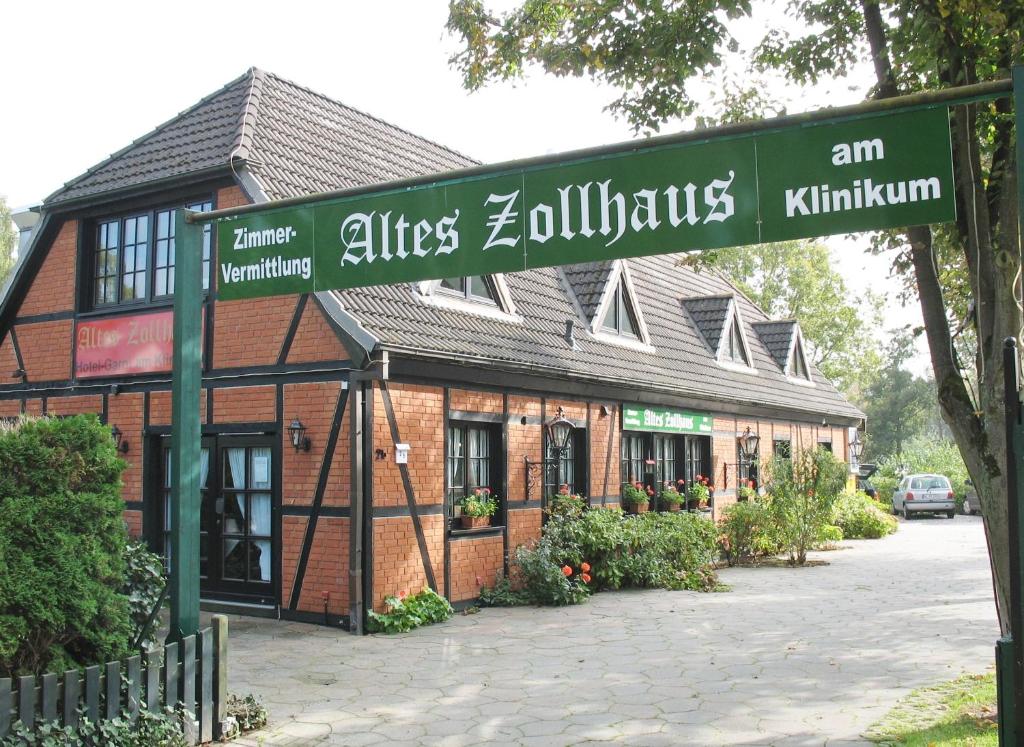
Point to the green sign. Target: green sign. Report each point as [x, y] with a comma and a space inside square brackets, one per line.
[876, 172]
[663, 420]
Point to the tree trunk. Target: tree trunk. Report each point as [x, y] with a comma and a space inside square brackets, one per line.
[988, 232]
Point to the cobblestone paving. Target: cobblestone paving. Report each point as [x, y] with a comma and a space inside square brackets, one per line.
[807, 656]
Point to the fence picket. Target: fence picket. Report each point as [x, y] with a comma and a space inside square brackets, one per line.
[134, 681]
[193, 673]
[6, 705]
[72, 694]
[113, 699]
[49, 697]
[171, 674]
[205, 705]
[92, 693]
[27, 700]
[153, 659]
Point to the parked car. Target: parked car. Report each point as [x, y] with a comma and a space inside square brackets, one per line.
[924, 494]
[972, 505]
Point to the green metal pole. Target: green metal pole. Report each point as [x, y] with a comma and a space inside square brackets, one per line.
[185, 433]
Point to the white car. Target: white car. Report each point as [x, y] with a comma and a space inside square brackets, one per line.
[924, 493]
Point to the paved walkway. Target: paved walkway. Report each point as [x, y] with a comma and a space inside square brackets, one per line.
[807, 656]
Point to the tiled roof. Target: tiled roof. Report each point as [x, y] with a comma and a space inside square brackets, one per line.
[709, 313]
[400, 319]
[777, 338]
[296, 142]
[588, 282]
[200, 138]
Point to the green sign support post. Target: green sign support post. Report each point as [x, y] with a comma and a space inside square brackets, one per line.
[185, 429]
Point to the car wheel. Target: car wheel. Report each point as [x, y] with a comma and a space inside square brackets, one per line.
[951, 514]
[906, 512]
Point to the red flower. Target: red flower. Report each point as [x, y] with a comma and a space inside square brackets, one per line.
[750, 484]
[487, 491]
[585, 567]
[638, 485]
[680, 482]
[699, 478]
[586, 578]
[650, 491]
[564, 490]
[476, 492]
[403, 594]
[567, 570]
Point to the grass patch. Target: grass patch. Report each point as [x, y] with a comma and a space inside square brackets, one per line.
[958, 713]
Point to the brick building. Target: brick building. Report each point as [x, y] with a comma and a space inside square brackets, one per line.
[644, 368]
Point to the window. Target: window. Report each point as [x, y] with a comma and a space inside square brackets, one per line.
[826, 445]
[473, 288]
[782, 448]
[204, 523]
[620, 318]
[566, 467]
[665, 452]
[634, 454]
[697, 457]
[472, 461]
[733, 350]
[134, 257]
[798, 363]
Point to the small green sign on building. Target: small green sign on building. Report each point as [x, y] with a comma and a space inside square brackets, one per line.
[664, 420]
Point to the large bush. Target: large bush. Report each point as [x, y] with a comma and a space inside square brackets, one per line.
[800, 494]
[606, 549]
[745, 532]
[62, 539]
[862, 518]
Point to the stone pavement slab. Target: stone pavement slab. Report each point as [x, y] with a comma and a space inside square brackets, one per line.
[808, 656]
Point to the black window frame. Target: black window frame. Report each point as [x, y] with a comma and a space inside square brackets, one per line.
[113, 297]
[556, 466]
[495, 468]
[465, 289]
[691, 456]
[782, 452]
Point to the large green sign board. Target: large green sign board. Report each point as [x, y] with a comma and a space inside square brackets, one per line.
[877, 172]
[664, 420]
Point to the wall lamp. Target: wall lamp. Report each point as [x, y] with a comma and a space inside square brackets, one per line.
[748, 444]
[119, 441]
[297, 431]
[856, 447]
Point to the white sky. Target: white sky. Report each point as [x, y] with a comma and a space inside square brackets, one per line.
[85, 79]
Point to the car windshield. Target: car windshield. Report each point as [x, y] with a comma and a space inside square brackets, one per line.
[933, 482]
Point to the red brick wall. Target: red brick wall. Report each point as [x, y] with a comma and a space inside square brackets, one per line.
[160, 407]
[463, 400]
[397, 563]
[327, 569]
[523, 441]
[126, 412]
[10, 408]
[46, 349]
[314, 405]
[8, 362]
[600, 427]
[293, 531]
[418, 413]
[54, 286]
[314, 339]
[473, 563]
[245, 404]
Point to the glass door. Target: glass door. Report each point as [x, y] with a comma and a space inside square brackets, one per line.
[236, 550]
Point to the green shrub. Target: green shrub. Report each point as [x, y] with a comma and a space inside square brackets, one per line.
[800, 494]
[745, 532]
[502, 594]
[606, 549]
[830, 534]
[862, 518]
[408, 612]
[248, 712]
[62, 542]
[151, 729]
[144, 582]
[565, 504]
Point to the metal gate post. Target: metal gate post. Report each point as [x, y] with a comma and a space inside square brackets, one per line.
[185, 430]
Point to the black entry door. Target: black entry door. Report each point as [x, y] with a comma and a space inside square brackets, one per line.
[236, 551]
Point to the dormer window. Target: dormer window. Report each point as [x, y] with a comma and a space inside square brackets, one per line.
[620, 318]
[472, 288]
[798, 362]
[733, 349]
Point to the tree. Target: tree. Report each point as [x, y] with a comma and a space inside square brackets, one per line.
[795, 280]
[654, 51]
[898, 405]
[8, 242]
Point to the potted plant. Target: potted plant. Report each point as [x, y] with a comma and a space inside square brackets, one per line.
[746, 492]
[637, 497]
[670, 497]
[478, 508]
[566, 503]
[699, 493]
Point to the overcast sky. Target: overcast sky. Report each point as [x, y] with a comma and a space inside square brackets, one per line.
[85, 79]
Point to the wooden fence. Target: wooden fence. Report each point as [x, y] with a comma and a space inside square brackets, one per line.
[192, 673]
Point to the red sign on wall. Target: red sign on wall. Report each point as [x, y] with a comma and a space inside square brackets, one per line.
[124, 345]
